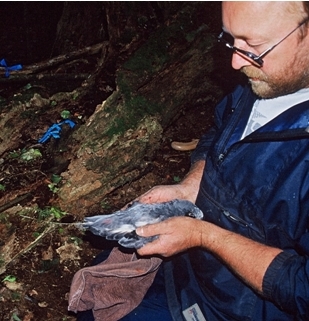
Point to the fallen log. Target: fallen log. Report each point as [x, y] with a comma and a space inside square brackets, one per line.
[43, 77]
[53, 62]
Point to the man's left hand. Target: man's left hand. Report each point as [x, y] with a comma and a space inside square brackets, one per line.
[176, 234]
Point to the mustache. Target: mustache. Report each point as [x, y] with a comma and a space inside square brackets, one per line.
[251, 72]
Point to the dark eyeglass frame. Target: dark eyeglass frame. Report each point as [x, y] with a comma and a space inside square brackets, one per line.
[257, 59]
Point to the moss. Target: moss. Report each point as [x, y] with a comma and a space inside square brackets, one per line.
[149, 58]
[133, 108]
[141, 105]
[136, 108]
[119, 126]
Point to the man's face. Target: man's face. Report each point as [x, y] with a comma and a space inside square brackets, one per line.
[256, 26]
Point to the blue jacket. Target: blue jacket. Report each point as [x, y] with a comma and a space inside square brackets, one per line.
[257, 187]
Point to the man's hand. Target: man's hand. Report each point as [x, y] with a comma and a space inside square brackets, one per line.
[162, 193]
[186, 190]
[176, 234]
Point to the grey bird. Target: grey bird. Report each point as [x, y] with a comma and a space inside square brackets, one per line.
[121, 225]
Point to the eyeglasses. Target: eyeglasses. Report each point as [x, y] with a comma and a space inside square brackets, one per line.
[255, 59]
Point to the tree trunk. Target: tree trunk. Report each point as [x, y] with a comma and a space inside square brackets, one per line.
[159, 74]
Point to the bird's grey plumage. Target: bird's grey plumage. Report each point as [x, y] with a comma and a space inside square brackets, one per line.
[122, 224]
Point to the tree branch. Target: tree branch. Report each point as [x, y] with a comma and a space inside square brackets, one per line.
[50, 63]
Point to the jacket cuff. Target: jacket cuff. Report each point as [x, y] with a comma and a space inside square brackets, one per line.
[198, 157]
[271, 275]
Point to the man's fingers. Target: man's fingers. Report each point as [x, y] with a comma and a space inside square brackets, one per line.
[147, 230]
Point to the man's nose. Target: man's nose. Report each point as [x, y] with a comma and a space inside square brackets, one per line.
[239, 61]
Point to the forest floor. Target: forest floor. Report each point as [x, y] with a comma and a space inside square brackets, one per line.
[38, 258]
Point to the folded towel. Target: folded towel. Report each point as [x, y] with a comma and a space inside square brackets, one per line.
[114, 287]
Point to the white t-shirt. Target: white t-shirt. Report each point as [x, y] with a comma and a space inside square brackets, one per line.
[264, 110]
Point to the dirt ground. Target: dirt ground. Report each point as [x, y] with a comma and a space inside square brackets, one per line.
[39, 257]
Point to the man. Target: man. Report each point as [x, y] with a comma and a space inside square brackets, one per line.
[248, 260]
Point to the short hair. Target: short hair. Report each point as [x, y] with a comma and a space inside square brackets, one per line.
[304, 29]
[306, 6]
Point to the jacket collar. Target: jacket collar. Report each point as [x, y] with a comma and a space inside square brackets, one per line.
[291, 124]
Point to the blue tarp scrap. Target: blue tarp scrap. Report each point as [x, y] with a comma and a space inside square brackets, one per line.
[54, 131]
[8, 69]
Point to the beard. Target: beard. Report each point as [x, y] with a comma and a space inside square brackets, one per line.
[287, 80]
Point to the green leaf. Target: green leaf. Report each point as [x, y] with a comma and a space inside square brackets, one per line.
[28, 86]
[15, 317]
[31, 154]
[53, 188]
[14, 154]
[36, 234]
[57, 213]
[9, 278]
[50, 211]
[65, 114]
[56, 178]
[75, 96]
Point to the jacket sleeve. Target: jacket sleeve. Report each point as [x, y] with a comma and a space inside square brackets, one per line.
[222, 112]
[201, 150]
[286, 283]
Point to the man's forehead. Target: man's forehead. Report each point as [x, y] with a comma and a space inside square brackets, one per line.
[261, 16]
[252, 7]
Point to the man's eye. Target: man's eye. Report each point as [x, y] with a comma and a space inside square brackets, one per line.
[253, 45]
[226, 37]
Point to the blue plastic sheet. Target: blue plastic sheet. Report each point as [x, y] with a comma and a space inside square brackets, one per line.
[8, 69]
[54, 131]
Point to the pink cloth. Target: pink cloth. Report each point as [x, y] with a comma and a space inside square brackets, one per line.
[114, 287]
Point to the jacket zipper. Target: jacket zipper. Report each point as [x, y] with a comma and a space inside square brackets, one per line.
[234, 218]
[228, 136]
